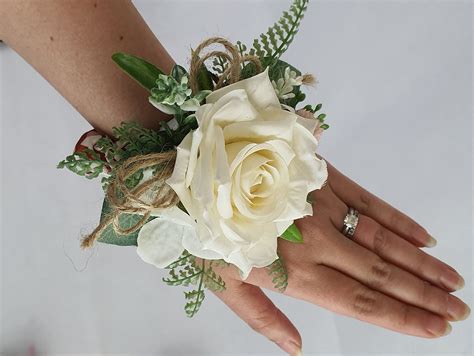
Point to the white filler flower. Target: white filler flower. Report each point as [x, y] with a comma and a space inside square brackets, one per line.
[243, 177]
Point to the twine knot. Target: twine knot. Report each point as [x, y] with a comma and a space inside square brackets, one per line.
[153, 192]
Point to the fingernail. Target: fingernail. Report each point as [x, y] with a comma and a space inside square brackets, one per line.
[457, 309]
[438, 326]
[452, 280]
[449, 328]
[298, 352]
[431, 242]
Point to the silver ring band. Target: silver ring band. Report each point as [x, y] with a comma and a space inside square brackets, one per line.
[350, 222]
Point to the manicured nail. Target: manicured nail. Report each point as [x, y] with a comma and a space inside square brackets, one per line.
[438, 326]
[431, 242]
[298, 352]
[448, 330]
[452, 280]
[457, 309]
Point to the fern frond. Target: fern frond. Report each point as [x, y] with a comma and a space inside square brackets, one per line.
[195, 297]
[272, 44]
[219, 64]
[86, 163]
[183, 271]
[213, 281]
[277, 270]
[186, 271]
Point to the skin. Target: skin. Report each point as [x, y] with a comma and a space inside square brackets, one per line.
[381, 276]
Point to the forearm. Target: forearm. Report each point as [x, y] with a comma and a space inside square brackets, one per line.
[70, 43]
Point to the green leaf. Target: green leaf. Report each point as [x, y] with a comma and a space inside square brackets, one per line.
[186, 271]
[178, 72]
[139, 69]
[321, 117]
[194, 300]
[204, 79]
[249, 70]
[279, 274]
[272, 44]
[109, 236]
[292, 234]
[86, 163]
[212, 280]
[308, 108]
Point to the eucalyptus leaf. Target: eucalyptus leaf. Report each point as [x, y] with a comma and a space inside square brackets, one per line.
[204, 79]
[109, 236]
[292, 234]
[249, 70]
[139, 69]
[167, 109]
[178, 72]
[190, 105]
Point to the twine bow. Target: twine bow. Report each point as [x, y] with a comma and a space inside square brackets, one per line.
[154, 193]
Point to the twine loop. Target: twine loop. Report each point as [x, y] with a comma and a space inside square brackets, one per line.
[147, 195]
[154, 193]
[234, 61]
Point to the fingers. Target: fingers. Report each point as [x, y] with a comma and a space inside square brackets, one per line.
[392, 248]
[340, 293]
[337, 292]
[370, 205]
[376, 273]
[257, 310]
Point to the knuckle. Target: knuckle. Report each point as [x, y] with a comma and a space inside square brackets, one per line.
[381, 241]
[365, 302]
[380, 274]
[365, 199]
[420, 264]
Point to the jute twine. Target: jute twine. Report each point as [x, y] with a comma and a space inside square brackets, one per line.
[234, 60]
[154, 192]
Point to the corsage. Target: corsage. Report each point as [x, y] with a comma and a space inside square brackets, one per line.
[226, 176]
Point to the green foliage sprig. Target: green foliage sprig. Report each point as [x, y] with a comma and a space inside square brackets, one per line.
[138, 68]
[86, 163]
[185, 271]
[279, 274]
[320, 117]
[272, 44]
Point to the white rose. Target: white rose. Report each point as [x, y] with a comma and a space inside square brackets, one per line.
[243, 176]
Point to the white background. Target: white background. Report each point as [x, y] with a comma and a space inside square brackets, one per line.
[395, 81]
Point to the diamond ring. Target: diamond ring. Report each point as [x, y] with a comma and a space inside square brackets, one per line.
[350, 222]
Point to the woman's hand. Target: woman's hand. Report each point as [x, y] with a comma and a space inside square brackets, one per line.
[380, 275]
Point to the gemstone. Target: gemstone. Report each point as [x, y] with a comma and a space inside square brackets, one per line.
[351, 220]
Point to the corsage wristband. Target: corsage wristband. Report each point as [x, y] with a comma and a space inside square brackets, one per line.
[226, 176]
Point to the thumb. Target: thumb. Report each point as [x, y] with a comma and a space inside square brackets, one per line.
[251, 304]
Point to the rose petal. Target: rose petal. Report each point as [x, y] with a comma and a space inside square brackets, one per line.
[192, 244]
[260, 254]
[177, 178]
[222, 177]
[259, 90]
[260, 131]
[232, 107]
[309, 124]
